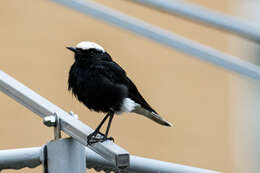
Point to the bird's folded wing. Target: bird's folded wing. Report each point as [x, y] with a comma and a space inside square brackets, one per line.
[117, 75]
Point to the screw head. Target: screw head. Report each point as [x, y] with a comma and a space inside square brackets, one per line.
[49, 121]
[74, 115]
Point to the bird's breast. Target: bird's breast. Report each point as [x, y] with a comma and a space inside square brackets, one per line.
[97, 91]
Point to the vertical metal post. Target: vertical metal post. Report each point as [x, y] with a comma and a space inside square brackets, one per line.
[246, 100]
[66, 156]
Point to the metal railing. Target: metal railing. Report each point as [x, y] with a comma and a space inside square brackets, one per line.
[205, 16]
[68, 124]
[105, 156]
[164, 37]
[33, 157]
[108, 156]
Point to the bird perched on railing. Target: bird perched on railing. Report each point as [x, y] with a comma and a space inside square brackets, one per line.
[103, 86]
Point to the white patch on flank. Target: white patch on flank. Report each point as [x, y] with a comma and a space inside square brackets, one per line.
[85, 45]
[127, 106]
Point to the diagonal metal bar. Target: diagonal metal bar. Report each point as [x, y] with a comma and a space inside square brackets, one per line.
[164, 37]
[68, 124]
[206, 16]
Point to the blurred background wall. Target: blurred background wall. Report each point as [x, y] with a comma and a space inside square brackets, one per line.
[246, 97]
[193, 95]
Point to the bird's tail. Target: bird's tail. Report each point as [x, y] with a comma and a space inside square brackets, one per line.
[152, 115]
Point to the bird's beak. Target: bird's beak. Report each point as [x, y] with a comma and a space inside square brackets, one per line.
[73, 49]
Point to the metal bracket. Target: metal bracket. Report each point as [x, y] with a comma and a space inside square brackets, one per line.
[66, 156]
[53, 121]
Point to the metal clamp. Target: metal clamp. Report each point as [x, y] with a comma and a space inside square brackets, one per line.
[53, 121]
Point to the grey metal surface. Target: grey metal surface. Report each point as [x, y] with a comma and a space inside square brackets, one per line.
[53, 121]
[68, 123]
[20, 158]
[167, 38]
[66, 156]
[121, 159]
[206, 16]
[140, 165]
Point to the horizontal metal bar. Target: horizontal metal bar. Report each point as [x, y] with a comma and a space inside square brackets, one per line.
[20, 158]
[69, 124]
[32, 157]
[206, 16]
[140, 165]
[167, 38]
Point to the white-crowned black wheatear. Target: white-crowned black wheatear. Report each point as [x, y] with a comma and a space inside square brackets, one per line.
[103, 86]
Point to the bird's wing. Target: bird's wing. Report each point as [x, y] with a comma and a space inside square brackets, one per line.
[118, 75]
[135, 95]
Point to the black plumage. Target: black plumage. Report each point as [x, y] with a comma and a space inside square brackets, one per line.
[102, 85]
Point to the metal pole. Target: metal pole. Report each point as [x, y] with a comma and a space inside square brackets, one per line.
[140, 165]
[205, 16]
[20, 158]
[167, 38]
[61, 152]
[66, 156]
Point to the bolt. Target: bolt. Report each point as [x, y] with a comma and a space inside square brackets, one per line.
[49, 120]
[74, 115]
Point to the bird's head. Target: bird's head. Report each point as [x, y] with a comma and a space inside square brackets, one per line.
[87, 50]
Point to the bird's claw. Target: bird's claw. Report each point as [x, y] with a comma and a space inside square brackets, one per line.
[98, 137]
[110, 138]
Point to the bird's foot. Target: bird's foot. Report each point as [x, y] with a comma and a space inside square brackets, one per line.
[98, 137]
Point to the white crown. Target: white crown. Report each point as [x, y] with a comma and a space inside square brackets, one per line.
[85, 45]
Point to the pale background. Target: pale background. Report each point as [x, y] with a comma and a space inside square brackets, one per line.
[192, 94]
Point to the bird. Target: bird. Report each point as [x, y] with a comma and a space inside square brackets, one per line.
[102, 85]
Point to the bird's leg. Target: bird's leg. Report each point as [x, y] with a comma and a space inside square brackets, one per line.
[108, 127]
[101, 123]
[93, 138]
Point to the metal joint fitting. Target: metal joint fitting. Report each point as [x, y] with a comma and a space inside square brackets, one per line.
[50, 121]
